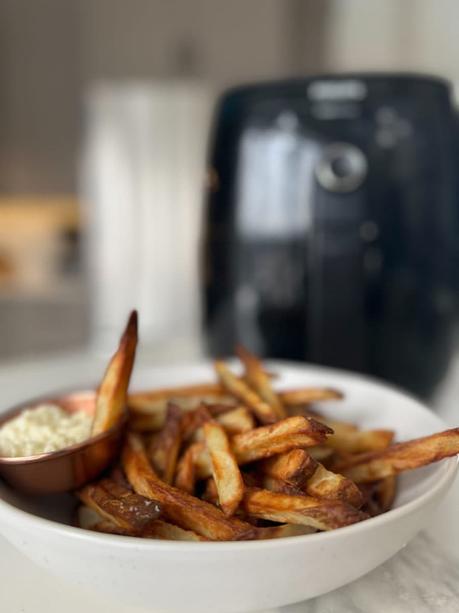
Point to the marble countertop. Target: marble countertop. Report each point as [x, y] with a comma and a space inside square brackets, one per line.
[423, 577]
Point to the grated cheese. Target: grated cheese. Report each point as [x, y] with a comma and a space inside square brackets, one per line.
[41, 429]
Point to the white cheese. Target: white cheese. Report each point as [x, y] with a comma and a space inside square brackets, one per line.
[41, 429]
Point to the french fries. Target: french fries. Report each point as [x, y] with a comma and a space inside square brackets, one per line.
[280, 437]
[179, 507]
[236, 420]
[112, 394]
[257, 378]
[157, 529]
[294, 467]
[262, 410]
[185, 477]
[309, 395]
[165, 446]
[332, 486]
[238, 460]
[228, 480]
[400, 457]
[119, 506]
[360, 441]
[267, 441]
[303, 510]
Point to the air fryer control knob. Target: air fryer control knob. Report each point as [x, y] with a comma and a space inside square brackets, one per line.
[342, 168]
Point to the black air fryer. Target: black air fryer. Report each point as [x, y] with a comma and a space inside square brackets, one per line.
[330, 225]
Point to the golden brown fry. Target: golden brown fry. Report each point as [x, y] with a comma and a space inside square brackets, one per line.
[267, 441]
[259, 380]
[360, 441]
[234, 418]
[141, 406]
[294, 467]
[185, 477]
[340, 428]
[309, 395]
[151, 398]
[158, 528]
[193, 420]
[321, 453]
[182, 509]
[326, 484]
[262, 410]
[165, 446]
[400, 457]
[280, 437]
[111, 396]
[282, 531]
[225, 470]
[161, 529]
[119, 505]
[146, 423]
[303, 510]
[386, 491]
[236, 421]
[277, 485]
[210, 493]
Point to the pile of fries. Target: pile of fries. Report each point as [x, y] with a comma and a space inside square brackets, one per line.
[238, 460]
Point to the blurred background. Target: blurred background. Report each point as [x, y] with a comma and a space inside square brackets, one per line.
[105, 115]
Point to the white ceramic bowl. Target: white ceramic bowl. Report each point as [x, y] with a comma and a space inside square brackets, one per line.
[240, 576]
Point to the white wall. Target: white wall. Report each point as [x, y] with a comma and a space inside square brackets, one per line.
[419, 35]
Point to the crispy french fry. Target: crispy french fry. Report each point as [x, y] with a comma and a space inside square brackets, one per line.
[236, 421]
[119, 506]
[267, 441]
[182, 509]
[360, 441]
[146, 423]
[303, 510]
[400, 457]
[308, 395]
[281, 487]
[259, 380]
[386, 491]
[277, 532]
[165, 446]
[185, 477]
[321, 453]
[193, 421]
[294, 467]
[151, 399]
[159, 529]
[150, 417]
[210, 493]
[111, 397]
[262, 410]
[225, 470]
[340, 428]
[326, 484]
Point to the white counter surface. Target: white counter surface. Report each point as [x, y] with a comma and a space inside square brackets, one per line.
[424, 577]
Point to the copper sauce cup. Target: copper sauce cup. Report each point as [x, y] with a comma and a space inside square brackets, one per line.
[68, 468]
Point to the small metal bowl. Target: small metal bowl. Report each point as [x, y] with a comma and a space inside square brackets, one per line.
[68, 468]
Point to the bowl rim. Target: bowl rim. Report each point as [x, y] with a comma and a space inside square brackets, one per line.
[17, 409]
